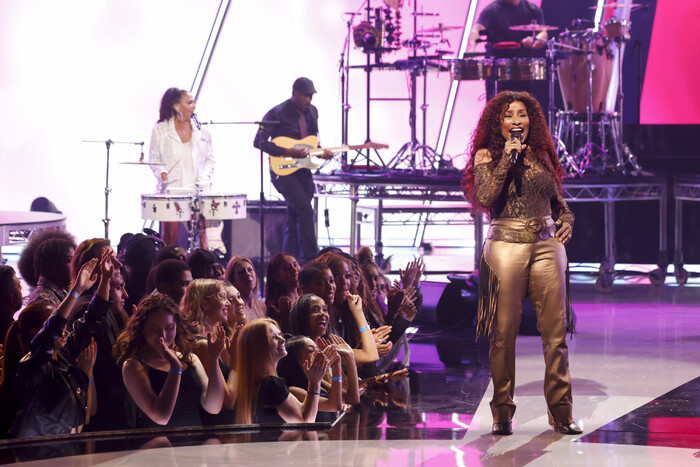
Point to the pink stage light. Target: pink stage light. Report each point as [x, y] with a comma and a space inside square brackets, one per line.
[671, 94]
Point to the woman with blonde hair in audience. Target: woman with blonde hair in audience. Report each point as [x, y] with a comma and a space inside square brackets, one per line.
[206, 306]
[263, 397]
[241, 273]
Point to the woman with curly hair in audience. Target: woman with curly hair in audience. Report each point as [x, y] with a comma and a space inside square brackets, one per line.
[165, 379]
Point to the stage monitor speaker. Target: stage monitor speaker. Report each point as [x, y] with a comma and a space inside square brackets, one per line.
[458, 306]
[243, 235]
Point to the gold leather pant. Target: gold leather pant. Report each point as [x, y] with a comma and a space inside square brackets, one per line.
[538, 270]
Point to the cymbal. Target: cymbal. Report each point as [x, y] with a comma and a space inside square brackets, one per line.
[533, 27]
[440, 28]
[142, 163]
[616, 5]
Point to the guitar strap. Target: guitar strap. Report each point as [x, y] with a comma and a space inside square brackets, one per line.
[302, 126]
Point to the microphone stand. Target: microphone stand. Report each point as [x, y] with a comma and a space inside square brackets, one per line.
[261, 282]
[108, 190]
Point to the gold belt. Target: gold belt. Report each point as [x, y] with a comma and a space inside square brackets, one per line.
[535, 229]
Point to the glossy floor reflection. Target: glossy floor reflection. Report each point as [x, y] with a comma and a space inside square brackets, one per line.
[636, 385]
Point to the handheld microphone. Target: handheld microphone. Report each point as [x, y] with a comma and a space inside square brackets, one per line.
[515, 133]
[196, 122]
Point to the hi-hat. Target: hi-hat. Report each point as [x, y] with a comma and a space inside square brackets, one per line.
[441, 27]
[616, 5]
[533, 27]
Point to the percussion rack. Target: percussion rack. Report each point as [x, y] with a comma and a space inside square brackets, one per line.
[417, 65]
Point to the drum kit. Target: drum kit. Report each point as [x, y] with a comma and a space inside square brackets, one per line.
[584, 61]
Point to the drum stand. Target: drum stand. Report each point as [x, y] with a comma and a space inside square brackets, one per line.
[568, 163]
[108, 190]
[406, 157]
[621, 147]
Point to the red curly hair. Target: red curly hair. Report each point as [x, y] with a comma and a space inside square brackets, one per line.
[487, 135]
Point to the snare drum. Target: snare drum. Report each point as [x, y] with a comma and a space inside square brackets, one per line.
[166, 207]
[222, 206]
[471, 69]
[617, 29]
[521, 69]
[573, 70]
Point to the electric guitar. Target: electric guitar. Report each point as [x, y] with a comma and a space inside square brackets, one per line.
[282, 165]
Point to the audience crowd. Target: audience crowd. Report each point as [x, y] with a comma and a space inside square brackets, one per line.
[148, 336]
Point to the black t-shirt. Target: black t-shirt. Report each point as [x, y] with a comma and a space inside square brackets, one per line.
[500, 15]
[273, 391]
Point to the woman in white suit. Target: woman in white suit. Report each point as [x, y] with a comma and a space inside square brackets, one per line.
[183, 148]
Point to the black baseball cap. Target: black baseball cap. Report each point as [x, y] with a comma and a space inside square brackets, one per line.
[304, 86]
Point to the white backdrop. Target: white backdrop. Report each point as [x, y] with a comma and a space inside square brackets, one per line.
[96, 70]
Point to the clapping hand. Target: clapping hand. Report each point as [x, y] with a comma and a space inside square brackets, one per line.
[86, 358]
[216, 345]
[233, 343]
[412, 274]
[381, 334]
[331, 354]
[315, 367]
[87, 276]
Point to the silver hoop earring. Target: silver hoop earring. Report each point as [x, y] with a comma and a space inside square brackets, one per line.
[180, 117]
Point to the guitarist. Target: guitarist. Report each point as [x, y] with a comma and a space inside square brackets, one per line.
[298, 119]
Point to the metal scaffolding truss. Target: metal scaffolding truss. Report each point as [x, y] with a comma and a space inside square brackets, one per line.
[416, 217]
[687, 191]
[380, 189]
[614, 192]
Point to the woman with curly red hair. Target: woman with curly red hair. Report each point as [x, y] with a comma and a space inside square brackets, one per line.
[514, 175]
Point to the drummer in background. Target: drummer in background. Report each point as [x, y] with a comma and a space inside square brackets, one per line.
[494, 22]
[185, 151]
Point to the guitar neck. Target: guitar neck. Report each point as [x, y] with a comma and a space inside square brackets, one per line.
[337, 149]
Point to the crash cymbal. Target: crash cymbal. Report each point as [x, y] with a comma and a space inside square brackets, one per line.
[150, 164]
[533, 27]
[441, 27]
[616, 5]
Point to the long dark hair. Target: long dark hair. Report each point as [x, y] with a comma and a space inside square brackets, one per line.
[273, 288]
[132, 340]
[487, 135]
[170, 98]
[299, 316]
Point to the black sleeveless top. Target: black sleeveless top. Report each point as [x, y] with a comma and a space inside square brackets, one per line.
[187, 411]
[226, 416]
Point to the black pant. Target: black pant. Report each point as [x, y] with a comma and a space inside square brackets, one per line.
[300, 235]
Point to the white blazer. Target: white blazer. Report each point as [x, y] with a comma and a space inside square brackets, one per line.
[167, 148]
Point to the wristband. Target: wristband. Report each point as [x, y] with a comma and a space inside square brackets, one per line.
[337, 378]
[315, 393]
[364, 328]
[417, 287]
[74, 294]
[173, 370]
